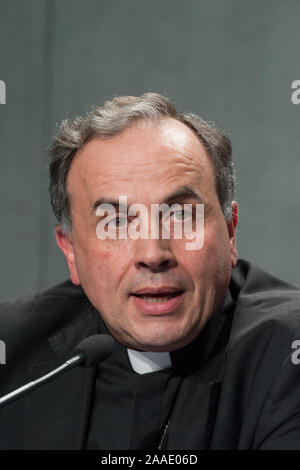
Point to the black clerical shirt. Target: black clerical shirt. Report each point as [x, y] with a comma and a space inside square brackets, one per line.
[131, 410]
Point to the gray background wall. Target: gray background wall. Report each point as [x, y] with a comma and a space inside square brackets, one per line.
[231, 61]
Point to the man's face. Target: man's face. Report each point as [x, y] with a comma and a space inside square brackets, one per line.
[125, 279]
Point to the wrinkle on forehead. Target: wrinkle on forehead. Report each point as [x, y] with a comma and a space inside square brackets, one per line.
[163, 154]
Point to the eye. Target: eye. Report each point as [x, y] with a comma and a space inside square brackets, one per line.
[118, 222]
[181, 215]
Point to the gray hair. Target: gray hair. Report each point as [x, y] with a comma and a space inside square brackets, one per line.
[111, 119]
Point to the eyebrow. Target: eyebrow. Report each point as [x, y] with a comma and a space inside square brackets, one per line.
[181, 193]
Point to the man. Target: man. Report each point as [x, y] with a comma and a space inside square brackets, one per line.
[204, 354]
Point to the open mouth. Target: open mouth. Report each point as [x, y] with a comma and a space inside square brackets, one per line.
[159, 301]
[158, 298]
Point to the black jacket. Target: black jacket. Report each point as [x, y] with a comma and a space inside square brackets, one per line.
[245, 395]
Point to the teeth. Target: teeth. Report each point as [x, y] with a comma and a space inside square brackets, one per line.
[155, 300]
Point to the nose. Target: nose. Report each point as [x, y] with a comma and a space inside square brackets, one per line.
[154, 255]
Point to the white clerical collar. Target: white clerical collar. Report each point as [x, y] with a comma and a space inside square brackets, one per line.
[144, 362]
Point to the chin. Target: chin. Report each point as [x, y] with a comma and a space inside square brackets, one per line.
[162, 343]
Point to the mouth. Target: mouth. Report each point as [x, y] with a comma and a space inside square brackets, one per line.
[156, 298]
[158, 301]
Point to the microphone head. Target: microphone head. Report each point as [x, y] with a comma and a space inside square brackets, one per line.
[95, 349]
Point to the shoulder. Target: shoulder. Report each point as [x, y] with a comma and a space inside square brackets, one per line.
[263, 298]
[258, 288]
[43, 311]
[266, 320]
[261, 380]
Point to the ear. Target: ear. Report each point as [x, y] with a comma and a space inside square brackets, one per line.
[231, 226]
[65, 243]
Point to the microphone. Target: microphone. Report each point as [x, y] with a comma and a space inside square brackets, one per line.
[94, 349]
[89, 352]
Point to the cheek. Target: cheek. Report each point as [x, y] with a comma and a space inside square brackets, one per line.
[105, 255]
[105, 265]
[216, 240]
[92, 252]
[211, 262]
[92, 261]
[218, 260]
[101, 261]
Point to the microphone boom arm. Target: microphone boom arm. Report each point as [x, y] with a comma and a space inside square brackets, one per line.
[69, 364]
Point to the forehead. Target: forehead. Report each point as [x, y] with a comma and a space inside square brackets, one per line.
[145, 160]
